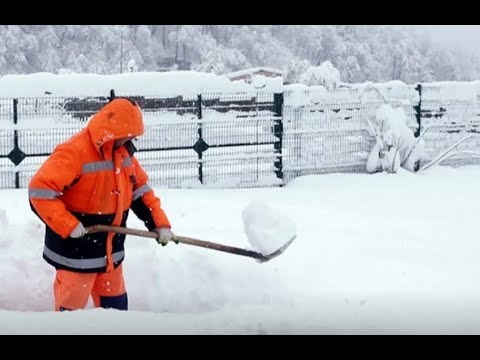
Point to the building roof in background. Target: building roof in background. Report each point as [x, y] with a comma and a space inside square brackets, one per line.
[255, 70]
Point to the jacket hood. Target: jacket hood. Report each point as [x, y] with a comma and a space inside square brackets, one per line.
[120, 118]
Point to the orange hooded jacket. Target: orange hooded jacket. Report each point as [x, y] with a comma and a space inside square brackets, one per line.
[86, 179]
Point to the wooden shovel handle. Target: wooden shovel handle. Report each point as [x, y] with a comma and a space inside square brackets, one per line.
[181, 239]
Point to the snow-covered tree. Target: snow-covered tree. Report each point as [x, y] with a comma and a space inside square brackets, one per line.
[221, 61]
[325, 75]
[444, 65]
[20, 49]
[132, 66]
[376, 53]
[295, 69]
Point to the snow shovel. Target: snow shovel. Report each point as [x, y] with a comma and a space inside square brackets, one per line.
[261, 258]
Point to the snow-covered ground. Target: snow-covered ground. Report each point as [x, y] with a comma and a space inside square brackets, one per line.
[375, 254]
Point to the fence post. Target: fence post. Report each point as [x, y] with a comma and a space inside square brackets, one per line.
[278, 133]
[112, 95]
[418, 110]
[16, 155]
[200, 146]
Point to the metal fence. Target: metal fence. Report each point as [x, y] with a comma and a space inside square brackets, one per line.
[447, 117]
[244, 139]
[329, 131]
[207, 139]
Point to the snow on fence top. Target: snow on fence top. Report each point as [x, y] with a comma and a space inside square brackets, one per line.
[297, 95]
[174, 83]
[135, 83]
[451, 90]
[394, 91]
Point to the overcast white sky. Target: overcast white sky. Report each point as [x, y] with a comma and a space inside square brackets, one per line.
[453, 36]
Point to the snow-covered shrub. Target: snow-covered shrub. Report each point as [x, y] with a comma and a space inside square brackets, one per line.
[395, 144]
[132, 66]
[325, 74]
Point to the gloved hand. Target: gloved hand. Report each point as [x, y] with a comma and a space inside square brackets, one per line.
[78, 232]
[165, 235]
